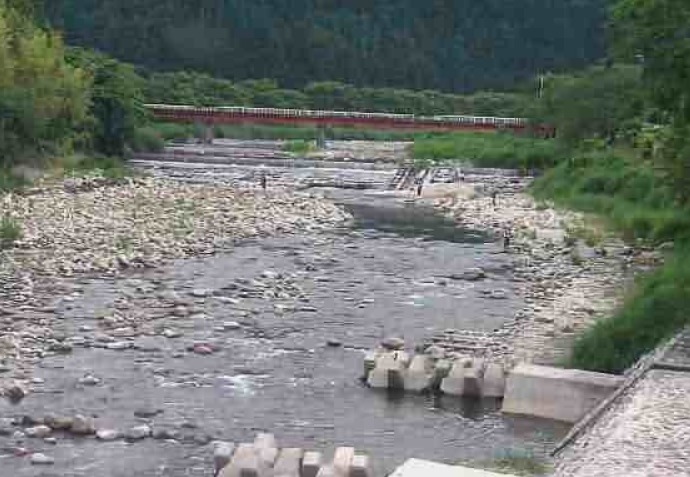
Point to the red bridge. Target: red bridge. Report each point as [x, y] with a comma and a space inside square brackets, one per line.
[303, 117]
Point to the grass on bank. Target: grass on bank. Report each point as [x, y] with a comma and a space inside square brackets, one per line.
[181, 132]
[82, 165]
[627, 192]
[515, 462]
[652, 313]
[632, 197]
[10, 231]
[501, 150]
[299, 146]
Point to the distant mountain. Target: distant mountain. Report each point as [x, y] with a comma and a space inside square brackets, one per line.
[451, 45]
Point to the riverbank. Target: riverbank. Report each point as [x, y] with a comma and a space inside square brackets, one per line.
[567, 284]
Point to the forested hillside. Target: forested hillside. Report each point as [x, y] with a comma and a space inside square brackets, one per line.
[449, 45]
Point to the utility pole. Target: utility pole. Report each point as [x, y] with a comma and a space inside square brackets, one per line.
[540, 89]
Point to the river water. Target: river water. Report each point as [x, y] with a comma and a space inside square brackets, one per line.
[386, 275]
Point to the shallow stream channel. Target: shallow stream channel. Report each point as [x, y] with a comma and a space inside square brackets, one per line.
[270, 337]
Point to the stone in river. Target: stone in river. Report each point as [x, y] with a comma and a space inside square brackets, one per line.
[41, 459]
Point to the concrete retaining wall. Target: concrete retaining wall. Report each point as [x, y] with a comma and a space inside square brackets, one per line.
[554, 393]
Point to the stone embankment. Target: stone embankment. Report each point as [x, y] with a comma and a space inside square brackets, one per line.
[96, 227]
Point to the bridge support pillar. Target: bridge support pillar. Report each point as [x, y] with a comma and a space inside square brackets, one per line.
[321, 137]
[205, 131]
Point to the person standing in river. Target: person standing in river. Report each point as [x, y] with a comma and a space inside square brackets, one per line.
[494, 197]
[420, 186]
[506, 239]
[263, 181]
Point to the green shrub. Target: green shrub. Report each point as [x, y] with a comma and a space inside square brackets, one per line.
[10, 231]
[299, 146]
[501, 150]
[654, 312]
[9, 181]
[624, 190]
[147, 139]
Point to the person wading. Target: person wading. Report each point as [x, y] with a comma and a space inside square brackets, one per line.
[420, 186]
[263, 181]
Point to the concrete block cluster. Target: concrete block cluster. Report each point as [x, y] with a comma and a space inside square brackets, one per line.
[464, 376]
[263, 458]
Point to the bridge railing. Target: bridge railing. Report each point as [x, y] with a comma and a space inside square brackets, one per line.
[241, 111]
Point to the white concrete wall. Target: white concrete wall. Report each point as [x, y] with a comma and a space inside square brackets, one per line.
[555, 393]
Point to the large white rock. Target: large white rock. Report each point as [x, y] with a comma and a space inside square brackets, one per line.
[555, 393]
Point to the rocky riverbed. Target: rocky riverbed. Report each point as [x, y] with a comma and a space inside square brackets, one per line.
[144, 319]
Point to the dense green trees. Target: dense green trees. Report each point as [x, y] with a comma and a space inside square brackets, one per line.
[204, 90]
[448, 45]
[43, 100]
[599, 102]
[657, 33]
[116, 105]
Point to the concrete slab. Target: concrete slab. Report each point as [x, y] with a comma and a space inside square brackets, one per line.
[554, 393]
[425, 468]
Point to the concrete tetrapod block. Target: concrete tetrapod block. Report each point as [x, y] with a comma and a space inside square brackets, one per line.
[361, 466]
[418, 376]
[266, 448]
[389, 370]
[494, 385]
[327, 471]
[554, 393]
[245, 463]
[441, 371]
[311, 463]
[288, 463]
[464, 379]
[222, 453]
[342, 460]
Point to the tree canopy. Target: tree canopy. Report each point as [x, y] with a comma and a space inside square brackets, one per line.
[447, 45]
